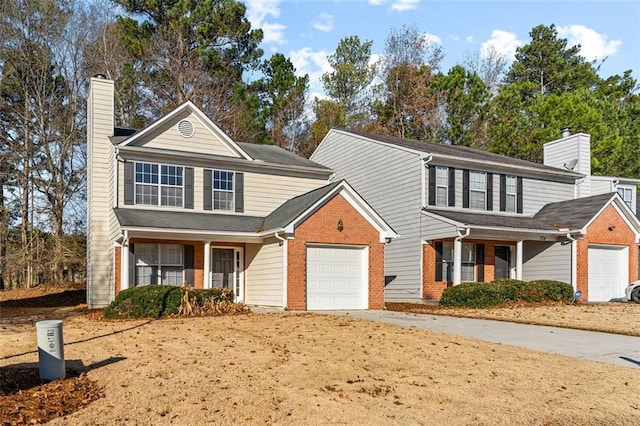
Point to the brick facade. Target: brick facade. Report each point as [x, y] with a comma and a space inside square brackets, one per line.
[321, 227]
[608, 228]
[432, 289]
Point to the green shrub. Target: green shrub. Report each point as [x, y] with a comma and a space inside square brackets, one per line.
[481, 295]
[555, 291]
[155, 301]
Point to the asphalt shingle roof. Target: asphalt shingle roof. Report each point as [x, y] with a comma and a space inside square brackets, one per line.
[276, 155]
[457, 151]
[570, 214]
[190, 221]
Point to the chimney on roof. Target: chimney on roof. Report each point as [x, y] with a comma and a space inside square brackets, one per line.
[565, 132]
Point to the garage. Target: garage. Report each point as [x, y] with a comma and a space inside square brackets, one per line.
[337, 277]
[608, 272]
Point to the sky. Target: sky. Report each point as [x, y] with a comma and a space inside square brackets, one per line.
[307, 31]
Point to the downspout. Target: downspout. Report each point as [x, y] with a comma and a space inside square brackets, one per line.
[283, 243]
[425, 164]
[574, 263]
[116, 177]
[457, 255]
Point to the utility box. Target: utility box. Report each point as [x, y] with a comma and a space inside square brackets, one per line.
[50, 350]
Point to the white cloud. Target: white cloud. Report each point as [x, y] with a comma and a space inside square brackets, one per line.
[314, 63]
[257, 12]
[593, 45]
[323, 23]
[399, 5]
[404, 5]
[432, 38]
[505, 43]
[469, 39]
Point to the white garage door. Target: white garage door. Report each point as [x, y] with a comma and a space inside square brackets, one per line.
[337, 278]
[608, 272]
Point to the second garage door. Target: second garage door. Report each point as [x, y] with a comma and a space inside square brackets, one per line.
[337, 278]
[608, 272]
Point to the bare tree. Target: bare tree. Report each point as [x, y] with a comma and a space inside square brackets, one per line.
[489, 64]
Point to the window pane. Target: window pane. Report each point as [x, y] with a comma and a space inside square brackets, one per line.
[478, 181]
[171, 196]
[146, 194]
[511, 203]
[511, 184]
[477, 200]
[468, 272]
[171, 254]
[442, 176]
[171, 275]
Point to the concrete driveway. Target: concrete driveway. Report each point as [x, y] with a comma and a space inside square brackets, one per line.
[604, 347]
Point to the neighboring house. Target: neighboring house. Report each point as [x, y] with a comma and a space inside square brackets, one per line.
[470, 215]
[179, 202]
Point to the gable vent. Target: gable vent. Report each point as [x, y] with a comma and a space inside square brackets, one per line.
[186, 128]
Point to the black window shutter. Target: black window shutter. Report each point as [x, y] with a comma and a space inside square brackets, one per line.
[239, 193]
[188, 187]
[465, 189]
[129, 178]
[452, 187]
[519, 196]
[489, 191]
[432, 186]
[439, 264]
[208, 181]
[503, 193]
[480, 262]
[189, 273]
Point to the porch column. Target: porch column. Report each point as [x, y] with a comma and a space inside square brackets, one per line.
[124, 265]
[457, 261]
[207, 264]
[519, 249]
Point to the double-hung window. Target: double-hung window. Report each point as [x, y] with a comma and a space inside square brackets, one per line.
[442, 185]
[627, 195]
[511, 193]
[478, 190]
[159, 264]
[468, 264]
[223, 191]
[159, 184]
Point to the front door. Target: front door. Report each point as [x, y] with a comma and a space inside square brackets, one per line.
[502, 262]
[226, 270]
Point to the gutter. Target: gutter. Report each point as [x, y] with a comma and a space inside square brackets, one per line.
[457, 255]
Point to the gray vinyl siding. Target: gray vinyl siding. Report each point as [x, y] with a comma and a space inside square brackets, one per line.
[264, 273]
[546, 261]
[537, 193]
[576, 147]
[390, 180]
[433, 229]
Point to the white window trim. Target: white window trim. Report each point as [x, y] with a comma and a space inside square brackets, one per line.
[624, 190]
[482, 191]
[447, 257]
[513, 194]
[444, 170]
[226, 191]
[158, 185]
[159, 264]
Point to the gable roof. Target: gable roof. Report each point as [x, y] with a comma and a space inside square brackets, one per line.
[186, 106]
[574, 214]
[564, 216]
[454, 152]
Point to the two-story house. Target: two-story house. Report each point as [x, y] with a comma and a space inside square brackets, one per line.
[470, 215]
[180, 203]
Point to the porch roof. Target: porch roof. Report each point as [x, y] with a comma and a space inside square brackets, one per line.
[570, 215]
[188, 221]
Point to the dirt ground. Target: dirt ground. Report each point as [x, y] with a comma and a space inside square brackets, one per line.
[291, 368]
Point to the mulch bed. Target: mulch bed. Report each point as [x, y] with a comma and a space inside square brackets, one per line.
[25, 399]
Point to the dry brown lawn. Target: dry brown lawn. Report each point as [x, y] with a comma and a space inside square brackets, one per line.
[286, 368]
